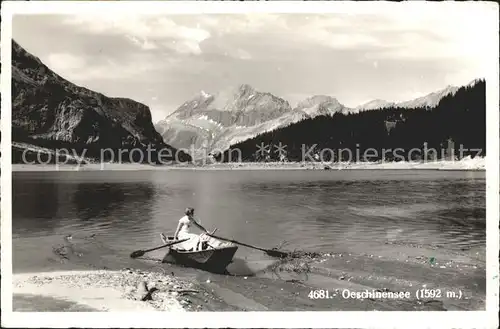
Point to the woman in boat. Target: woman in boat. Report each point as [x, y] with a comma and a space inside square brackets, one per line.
[195, 241]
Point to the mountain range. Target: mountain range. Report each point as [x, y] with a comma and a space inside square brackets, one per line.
[445, 124]
[50, 113]
[212, 123]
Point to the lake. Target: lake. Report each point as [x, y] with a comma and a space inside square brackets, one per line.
[325, 211]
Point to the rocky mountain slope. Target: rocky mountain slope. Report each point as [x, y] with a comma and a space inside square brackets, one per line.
[429, 101]
[51, 112]
[321, 105]
[209, 122]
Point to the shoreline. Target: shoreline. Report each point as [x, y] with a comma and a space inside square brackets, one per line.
[281, 286]
[104, 290]
[477, 165]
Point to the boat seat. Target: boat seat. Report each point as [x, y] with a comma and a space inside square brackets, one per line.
[205, 244]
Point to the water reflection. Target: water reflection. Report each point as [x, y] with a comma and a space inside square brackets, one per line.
[35, 205]
[44, 206]
[95, 201]
[42, 200]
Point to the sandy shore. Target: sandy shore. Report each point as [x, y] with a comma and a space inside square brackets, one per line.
[100, 291]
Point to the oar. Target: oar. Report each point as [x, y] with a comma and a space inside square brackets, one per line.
[270, 252]
[139, 253]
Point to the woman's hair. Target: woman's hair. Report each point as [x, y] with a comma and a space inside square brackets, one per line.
[189, 211]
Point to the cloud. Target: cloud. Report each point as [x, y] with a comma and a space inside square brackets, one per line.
[78, 69]
[184, 46]
[403, 34]
[143, 44]
[146, 32]
[243, 54]
[65, 62]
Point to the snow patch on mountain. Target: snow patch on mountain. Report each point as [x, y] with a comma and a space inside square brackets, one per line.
[375, 105]
[430, 100]
[238, 134]
[205, 121]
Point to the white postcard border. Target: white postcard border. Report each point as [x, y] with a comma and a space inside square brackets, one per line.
[476, 319]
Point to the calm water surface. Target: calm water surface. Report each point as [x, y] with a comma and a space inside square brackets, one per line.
[311, 210]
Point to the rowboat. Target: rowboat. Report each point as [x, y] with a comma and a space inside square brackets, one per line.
[216, 256]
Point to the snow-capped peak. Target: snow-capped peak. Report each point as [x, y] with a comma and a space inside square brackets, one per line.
[246, 88]
[319, 105]
[430, 100]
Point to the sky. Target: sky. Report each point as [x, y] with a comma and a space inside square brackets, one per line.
[165, 60]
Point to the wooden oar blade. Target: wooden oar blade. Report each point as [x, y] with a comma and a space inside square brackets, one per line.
[277, 253]
[137, 253]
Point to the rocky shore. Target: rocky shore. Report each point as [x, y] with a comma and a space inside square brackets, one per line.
[100, 290]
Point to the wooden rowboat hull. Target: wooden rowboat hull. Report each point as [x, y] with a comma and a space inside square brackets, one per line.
[213, 260]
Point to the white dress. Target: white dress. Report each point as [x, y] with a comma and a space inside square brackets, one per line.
[192, 243]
